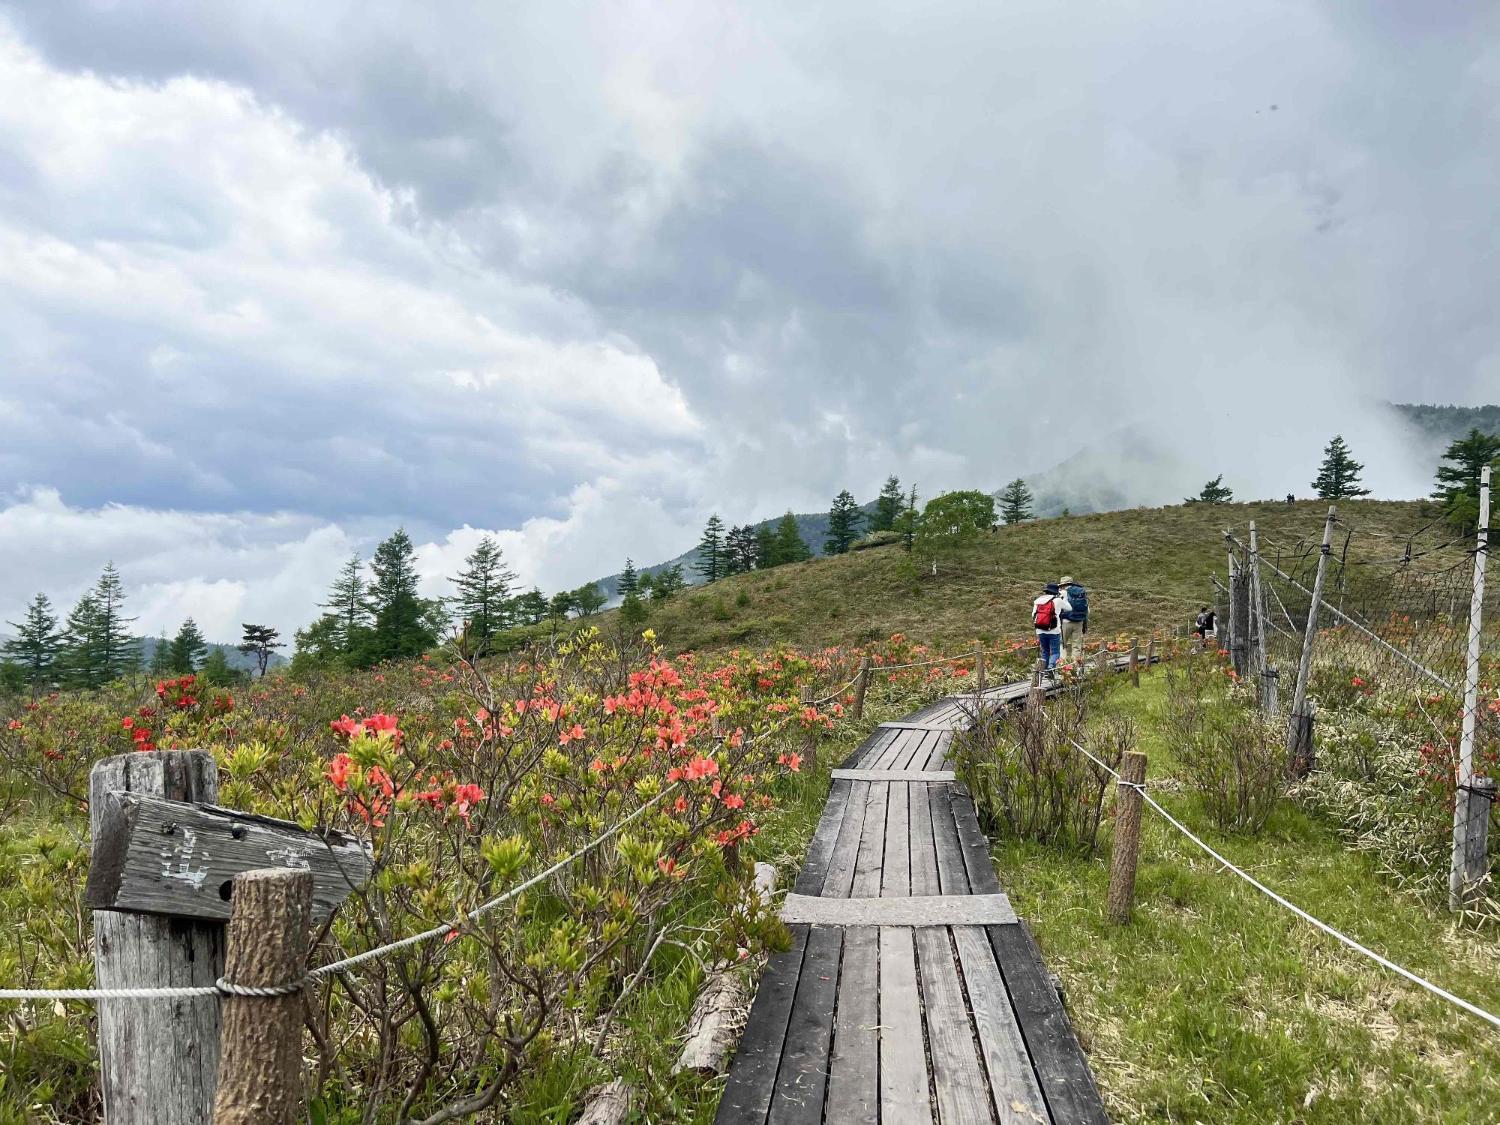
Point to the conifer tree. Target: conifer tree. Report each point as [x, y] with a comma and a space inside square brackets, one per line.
[161, 665]
[741, 549]
[348, 606]
[532, 606]
[405, 622]
[80, 662]
[765, 547]
[789, 547]
[1214, 492]
[1338, 476]
[710, 562]
[259, 641]
[1015, 502]
[888, 505]
[483, 594]
[36, 645]
[907, 521]
[630, 580]
[667, 582]
[844, 519]
[1458, 482]
[216, 671]
[633, 609]
[188, 648]
[97, 646]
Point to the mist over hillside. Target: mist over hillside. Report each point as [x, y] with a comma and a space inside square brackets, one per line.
[1133, 466]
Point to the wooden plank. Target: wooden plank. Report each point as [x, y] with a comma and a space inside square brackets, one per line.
[953, 874]
[820, 850]
[958, 1076]
[895, 878]
[153, 855]
[1059, 1061]
[904, 1091]
[854, 1066]
[752, 1076]
[976, 849]
[871, 844]
[809, 1035]
[1013, 1081]
[895, 775]
[924, 874]
[903, 910]
[872, 748]
[840, 875]
[892, 750]
[938, 759]
[913, 750]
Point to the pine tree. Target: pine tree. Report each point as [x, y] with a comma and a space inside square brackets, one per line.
[162, 666]
[630, 580]
[483, 594]
[1015, 502]
[888, 505]
[844, 519]
[80, 661]
[1338, 477]
[1214, 492]
[348, 606]
[741, 549]
[532, 606]
[1458, 483]
[907, 521]
[789, 547]
[188, 648]
[765, 547]
[259, 641]
[37, 643]
[404, 620]
[119, 652]
[710, 562]
[633, 609]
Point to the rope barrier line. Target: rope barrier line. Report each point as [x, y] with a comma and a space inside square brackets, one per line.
[1384, 962]
[1419, 667]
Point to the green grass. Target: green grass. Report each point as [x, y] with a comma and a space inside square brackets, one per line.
[1215, 1004]
[1145, 568]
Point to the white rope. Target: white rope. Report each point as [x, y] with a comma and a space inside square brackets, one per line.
[1422, 668]
[1385, 962]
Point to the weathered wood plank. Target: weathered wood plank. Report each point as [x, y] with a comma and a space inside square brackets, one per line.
[953, 874]
[871, 748]
[895, 775]
[854, 1067]
[895, 879]
[840, 874]
[958, 1077]
[142, 1079]
[888, 753]
[804, 1059]
[820, 850]
[157, 856]
[924, 874]
[1017, 1094]
[976, 849]
[901, 910]
[871, 844]
[752, 1076]
[904, 1090]
[1061, 1067]
[911, 749]
[937, 759]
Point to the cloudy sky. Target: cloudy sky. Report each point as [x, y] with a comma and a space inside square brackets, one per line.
[277, 277]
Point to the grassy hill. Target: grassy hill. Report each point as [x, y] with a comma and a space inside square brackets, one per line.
[1144, 568]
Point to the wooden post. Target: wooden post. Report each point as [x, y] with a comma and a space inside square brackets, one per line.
[1135, 663]
[1299, 731]
[1270, 683]
[260, 1073]
[1257, 630]
[810, 739]
[1150, 653]
[861, 685]
[1469, 805]
[1041, 670]
[1481, 798]
[1239, 613]
[1127, 839]
[979, 671]
[158, 1059]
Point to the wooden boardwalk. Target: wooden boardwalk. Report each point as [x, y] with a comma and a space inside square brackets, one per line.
[917, 1022]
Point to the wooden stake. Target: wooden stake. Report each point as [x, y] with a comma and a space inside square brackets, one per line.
[260, 1074]
[861, 685]
[979, 671]
[158, 1060]
[1469, 806]
[1150, 652]
[1127, 840]
[1135, 663]
[1299, 731]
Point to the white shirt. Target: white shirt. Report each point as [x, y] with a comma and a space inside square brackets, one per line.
[1063, 606]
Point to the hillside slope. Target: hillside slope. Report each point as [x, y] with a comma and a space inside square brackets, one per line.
[1144, 568]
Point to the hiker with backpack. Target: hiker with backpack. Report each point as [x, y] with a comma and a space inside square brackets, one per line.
[1047, 620]
[1075, 619]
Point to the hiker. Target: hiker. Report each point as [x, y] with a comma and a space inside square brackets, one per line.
[1205, 625]
[1047, 620]
[1075, 619]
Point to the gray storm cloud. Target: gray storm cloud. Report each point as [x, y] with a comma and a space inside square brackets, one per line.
[587, 272]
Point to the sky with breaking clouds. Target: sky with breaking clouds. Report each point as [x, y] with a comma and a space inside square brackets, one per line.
[277, 277]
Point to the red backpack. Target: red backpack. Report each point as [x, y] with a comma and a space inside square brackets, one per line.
[1044, 615]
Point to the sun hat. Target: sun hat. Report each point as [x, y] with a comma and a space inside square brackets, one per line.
[1050, 588]
[1066, 580]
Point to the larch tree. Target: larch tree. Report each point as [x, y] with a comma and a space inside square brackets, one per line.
[710, 561]
[789, 546]
[406, 624]
[1015, 502]
[37, 644]
[630, 580]
[844, 519]
[483, 600]
[1458, 476]
[1338, 476]
[888, 505]
[188, 648]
